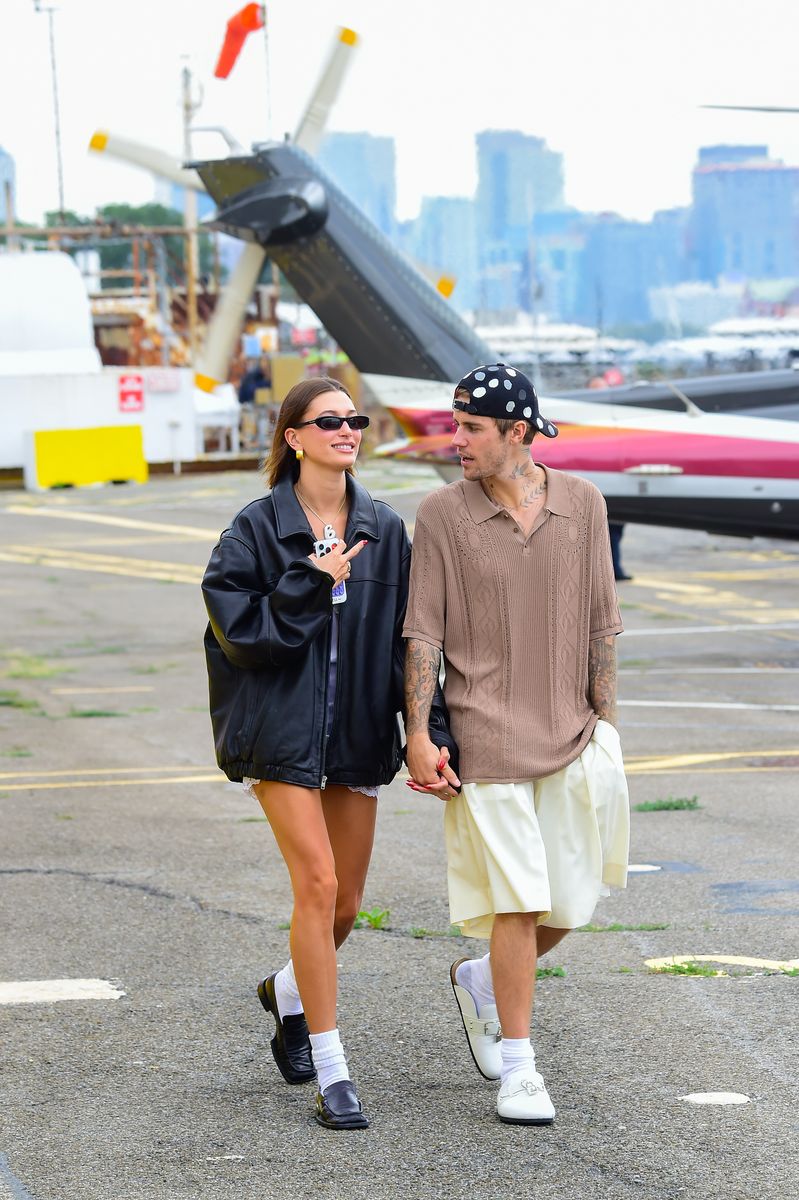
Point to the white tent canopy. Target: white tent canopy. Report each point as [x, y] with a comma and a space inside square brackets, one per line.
[45, 318]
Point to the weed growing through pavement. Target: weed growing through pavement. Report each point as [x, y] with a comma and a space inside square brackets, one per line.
[419, 931]
[375, 918]
[670, 804]
[16, 752]
[154, 668]
[64, 817]
[792, 971]
[626, 971]
[617, 928]
[94, 712]
[14, 700]
[688, 968]
[550, 973]
[248, 820]
[30, 666]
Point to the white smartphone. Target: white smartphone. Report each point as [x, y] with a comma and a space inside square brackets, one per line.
[323, 547]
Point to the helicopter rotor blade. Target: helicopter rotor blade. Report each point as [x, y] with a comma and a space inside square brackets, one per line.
[772, 108]
[313, 122]
[140, 155]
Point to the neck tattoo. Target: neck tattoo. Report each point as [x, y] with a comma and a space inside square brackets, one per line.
[532, 491]
[318, 516]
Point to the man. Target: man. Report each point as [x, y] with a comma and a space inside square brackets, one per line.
[511, 577]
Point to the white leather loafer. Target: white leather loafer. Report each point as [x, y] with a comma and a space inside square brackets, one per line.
[482, 1030]
[524, 1100]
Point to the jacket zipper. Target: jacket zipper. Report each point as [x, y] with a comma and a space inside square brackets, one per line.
[323, 749]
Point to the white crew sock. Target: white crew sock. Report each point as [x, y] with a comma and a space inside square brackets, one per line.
[287, 995]
[516, 1052]
[475, 976]
[328, 1058]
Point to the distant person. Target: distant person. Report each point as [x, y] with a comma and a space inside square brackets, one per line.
[306, 594]
[616, 529]
[511, 579]
[259, 376]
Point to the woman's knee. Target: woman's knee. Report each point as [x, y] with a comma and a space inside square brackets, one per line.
[347, 908]
[316, 890]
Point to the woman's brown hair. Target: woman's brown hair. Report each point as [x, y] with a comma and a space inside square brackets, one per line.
[282, 460]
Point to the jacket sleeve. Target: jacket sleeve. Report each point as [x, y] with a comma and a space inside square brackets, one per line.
[255, 629]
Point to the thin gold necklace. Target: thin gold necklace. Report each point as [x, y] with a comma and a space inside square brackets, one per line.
[302, 500]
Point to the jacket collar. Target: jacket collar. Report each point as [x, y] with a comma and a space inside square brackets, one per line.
[290, 518]
[481, 508]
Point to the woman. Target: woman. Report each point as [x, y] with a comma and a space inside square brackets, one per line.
[306, 594]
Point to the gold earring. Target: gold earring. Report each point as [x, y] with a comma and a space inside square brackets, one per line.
[300, 453]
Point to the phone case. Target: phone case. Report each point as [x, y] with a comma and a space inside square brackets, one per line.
[323, 547]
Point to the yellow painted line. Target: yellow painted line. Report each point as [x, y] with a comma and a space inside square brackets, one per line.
[93, 771]
[96, 783]
[730, 960]
[60, 562]
[95, 691]
[91, 556]
[44, 510]
[691, 760]
[754, 575]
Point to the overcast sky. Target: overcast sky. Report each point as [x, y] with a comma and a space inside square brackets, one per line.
[614, 85]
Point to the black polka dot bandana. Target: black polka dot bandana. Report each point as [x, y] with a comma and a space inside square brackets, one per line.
[504, 393]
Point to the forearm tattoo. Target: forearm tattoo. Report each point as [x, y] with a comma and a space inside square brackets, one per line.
[421, 676]
[602, 677]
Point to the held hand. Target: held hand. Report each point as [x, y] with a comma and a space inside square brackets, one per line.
[429, 768]
[337, 560]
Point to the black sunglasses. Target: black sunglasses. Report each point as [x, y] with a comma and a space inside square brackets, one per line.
[356, 421]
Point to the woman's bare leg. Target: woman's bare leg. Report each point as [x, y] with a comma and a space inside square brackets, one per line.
[350, 818]
[297, 820]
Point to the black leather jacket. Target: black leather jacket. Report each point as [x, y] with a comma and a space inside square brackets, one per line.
[267, 646]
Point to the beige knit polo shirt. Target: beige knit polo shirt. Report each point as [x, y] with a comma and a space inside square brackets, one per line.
[514, 617]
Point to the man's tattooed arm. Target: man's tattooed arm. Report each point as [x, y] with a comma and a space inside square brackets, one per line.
[602, 677]
[421, 676]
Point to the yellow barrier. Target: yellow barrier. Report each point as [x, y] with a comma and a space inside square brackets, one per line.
[79, 457]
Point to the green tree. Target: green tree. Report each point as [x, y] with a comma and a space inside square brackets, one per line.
[117, 254]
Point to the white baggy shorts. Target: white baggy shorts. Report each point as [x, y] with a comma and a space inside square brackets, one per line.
[551, 846]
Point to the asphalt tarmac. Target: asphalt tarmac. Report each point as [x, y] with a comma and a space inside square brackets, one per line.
[128, 858]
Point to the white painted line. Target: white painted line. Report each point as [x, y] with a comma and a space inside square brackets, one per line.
[707, 670]
[48, 991]
[640, 868]
[708, 704]
[717, 1098]
[93, 691]
[675, 630]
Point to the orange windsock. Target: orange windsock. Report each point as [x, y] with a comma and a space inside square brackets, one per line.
[247, 20]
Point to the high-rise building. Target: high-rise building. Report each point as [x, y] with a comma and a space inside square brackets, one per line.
[442, 241]
[8, 174]
[745, 221]
[518, 177]
[364, 167]
[623, 260]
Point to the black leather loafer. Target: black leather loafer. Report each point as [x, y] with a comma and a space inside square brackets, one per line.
[291, 1045]
[340, 1108]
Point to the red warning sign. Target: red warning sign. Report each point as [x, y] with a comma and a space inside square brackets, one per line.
[131, 393]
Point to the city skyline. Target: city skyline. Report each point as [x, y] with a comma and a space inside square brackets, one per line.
[613, 86]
